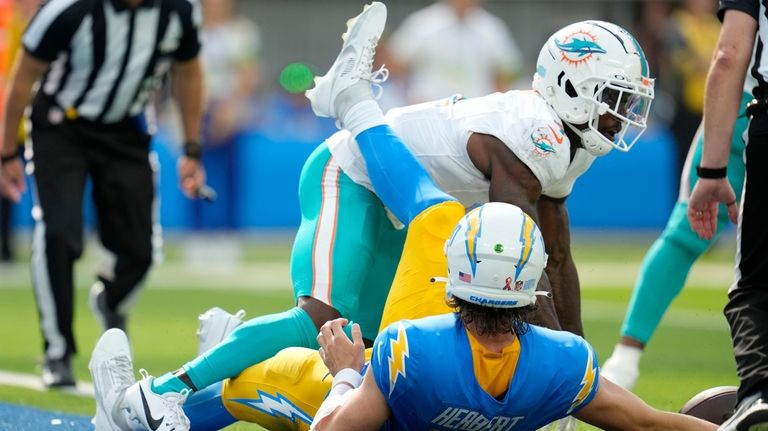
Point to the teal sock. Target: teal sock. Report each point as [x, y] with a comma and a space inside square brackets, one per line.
[168, 382]
[252, 342]
[662, 275]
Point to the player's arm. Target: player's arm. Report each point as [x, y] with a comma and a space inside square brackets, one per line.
[512, 181]
[349, 405]
[364, 408]
[614, 408]
[561, 270]
[27, 71]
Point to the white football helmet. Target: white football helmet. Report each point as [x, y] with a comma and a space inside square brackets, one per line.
[495, 257]
[591, 68]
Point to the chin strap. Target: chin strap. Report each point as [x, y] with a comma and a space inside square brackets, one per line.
[588, 137]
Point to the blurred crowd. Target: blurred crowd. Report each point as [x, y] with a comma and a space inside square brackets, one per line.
[437, 50]
[678, 39]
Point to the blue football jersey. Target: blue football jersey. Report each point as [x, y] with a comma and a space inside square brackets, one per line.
[424, 369]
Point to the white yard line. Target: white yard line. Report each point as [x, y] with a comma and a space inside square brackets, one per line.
[258, 276]
[30, 381]
[276, 275]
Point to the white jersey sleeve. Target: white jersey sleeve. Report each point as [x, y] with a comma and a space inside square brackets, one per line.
[524, 122]
[437, 134]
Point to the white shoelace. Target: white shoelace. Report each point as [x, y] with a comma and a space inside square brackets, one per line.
[121, 368]
[173, 402]
[377, 77]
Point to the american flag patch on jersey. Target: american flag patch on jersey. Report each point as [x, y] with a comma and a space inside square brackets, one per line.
[466, 278]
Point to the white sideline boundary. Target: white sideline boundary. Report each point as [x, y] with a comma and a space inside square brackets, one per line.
[276, 276]
[33, 382]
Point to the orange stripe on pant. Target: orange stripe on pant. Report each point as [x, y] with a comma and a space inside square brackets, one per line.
[325, 233]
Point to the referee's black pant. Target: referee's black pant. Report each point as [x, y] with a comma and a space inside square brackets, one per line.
[116, 157]
[747, 308]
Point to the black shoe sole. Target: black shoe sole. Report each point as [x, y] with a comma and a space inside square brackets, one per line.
[755, 421]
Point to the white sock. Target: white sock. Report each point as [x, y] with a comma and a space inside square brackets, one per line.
[362, 116]
[627, 354]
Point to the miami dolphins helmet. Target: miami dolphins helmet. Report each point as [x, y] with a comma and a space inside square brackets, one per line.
[592, 68]
[495, 257]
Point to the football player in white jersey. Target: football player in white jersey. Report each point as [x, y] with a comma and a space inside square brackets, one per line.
[591, 94]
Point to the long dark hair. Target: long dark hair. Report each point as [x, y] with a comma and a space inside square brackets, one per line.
[492, 320]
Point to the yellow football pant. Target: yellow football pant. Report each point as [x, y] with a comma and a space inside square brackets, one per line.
[284, 392]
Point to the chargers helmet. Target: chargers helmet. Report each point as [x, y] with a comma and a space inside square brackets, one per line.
[495, 257]
[592, 68]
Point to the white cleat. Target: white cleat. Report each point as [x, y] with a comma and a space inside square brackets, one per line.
[147, 411]
[623, 373]
[353, 65]
[215, 325]
[112, 372]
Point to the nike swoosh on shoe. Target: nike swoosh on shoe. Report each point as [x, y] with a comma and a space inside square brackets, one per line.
[153, 423]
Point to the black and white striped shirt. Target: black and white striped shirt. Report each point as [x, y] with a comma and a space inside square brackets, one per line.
[106, 57]
[759, 11]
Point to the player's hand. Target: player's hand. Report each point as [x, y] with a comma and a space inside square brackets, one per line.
[336, 349]
[703, 205]
[12, 184]
[191, 176]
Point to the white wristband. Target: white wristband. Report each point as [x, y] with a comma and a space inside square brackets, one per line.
[349, 377]
[343, 385]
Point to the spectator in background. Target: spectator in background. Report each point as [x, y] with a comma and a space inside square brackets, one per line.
[14, 15]
[230, 56]
[689, 39]
[287, 117]
[652, 18]
[453, 46]
[6, 47]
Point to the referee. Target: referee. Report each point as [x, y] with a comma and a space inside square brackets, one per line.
[97, 62]
[744, 22]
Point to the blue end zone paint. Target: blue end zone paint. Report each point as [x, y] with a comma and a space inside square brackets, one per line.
[17, 418]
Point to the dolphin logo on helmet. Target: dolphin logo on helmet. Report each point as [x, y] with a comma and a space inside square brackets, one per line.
[583, 47]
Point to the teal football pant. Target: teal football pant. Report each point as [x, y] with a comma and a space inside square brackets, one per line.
[345, 254]
[347, 249]
[670, 258]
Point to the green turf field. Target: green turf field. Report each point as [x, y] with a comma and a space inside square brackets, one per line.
[691, 351]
